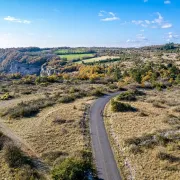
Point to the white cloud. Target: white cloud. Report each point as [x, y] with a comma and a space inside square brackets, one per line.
[167, 2]
[147, 22]
[139, 22]
[171, 35]
[101, 13]
[141, 37]
[166, 25]
[13, 19]
[138, 41]
[112, 14]
[110, 19]
[157, 22]
[108, 16]
[132, 41]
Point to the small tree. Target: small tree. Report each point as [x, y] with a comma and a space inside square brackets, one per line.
[71, 169]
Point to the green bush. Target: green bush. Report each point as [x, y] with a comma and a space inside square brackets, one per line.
[67, 99]
[113, 86]
[178, 79]
[3, 140]
[27, 173]
[29, 108]
[97, 93]
[73, 90]
[15, 157]
[120, 107]
[71, 169]
[6, 96]
[51, 157]
[127, 96]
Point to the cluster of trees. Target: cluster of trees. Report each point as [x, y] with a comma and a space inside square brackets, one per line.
[168, 46]
[157, 75]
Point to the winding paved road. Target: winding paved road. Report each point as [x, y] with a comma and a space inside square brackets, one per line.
[106, 165]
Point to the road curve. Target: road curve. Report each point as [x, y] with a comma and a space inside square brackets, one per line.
[105, 163]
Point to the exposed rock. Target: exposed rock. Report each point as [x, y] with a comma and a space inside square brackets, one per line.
[25, 61]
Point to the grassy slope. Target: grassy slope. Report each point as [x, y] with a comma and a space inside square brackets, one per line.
[49, 139]
[75, 56]
[121, 126]
[100, 59]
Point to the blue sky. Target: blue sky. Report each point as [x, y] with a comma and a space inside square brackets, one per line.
[112, 23]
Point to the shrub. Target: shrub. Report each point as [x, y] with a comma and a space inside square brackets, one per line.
[71, 169]
[113, 86]
[15, 157]
[136, 143]
[120, 107]
[157, 105]
[73, 90]
[67, 99]
[6, 96]
[97, 93]
[29, 108]
[51, 157]
[178, 79]
[127, 96]
[164, 156]
[176, 109]
[3, 140]
[27, 173]
[162, 140]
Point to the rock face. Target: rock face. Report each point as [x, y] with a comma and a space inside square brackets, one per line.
[22, 68]
[47, 70]
[25, 61]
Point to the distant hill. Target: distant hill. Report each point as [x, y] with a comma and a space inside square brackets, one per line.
[34, 60]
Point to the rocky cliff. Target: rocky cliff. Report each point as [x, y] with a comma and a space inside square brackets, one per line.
[25, 61]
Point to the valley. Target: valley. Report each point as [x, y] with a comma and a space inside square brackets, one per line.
[47, 125]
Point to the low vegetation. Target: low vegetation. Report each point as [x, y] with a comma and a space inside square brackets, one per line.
[76, 57]
[127, 96]
[148, 138]
[28, 108]
[22, 166]
[72, 169]
[6, 96]
[117, 106]
[15, 157]
[46, 105]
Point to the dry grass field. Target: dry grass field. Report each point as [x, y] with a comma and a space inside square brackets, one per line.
[97, 59]
[56, 132]
[146, 142]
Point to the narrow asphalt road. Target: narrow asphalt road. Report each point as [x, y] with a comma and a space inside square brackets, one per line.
[105, 163]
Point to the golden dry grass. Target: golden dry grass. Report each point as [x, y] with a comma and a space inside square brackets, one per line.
[44, 135]
[5, 172]
[52, 133]
[148, 119]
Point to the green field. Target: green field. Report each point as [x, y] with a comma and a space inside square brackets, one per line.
[71, 57]
[72, 51]
[102, 58]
